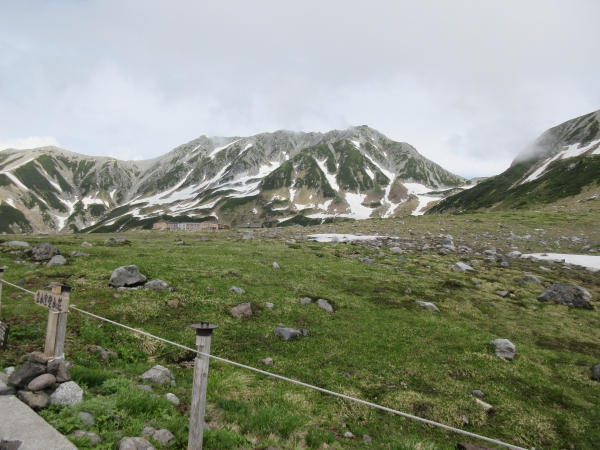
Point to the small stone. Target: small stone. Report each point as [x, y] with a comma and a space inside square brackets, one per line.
[148, 431]
[267, 361]
[163, 436]
[67, 394]
[37, 357]
[348, 435]
[324, 304]
[304, 332]
[501, 293]
[86, 418]
[157, 285]
[174, 303]
[237, 290]
[57, 261]
[287, 333]
[42, 382]
[305, 300]
[428, 305]
[21, 282]
[505, 349]
[596, 372]
[86, 244]
[16, 244]
[461, 267]
[408, 291]
[531, 279]
[172, 398]
[82, 434]
[242, 310]
[269, 305]
[367, 439]
[396, 250]
[79, 254]
[135, 443]
[367, 260]
[158, 375]
[127, 276]
[276, 266]
[35, 400]
[477, 393]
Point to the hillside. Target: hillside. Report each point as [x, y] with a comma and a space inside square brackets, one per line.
[273, 178]
[563, 163]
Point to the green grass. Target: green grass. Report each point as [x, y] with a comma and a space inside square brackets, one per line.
[378, 345]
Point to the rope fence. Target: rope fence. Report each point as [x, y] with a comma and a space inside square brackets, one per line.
[207, 355]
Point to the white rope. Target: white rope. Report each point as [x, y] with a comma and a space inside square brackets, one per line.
[290, 380]
[18, 287]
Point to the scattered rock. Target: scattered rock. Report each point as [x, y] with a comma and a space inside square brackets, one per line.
[158, 375]
[505, 349]
[144, 387]
[367, 260]
[86, 418]
[242, 310]
[287, 333]
[408, 291]
[596, 372]
[567, 294]
[21, 282]
[348, 435]
[42, 252]
[276, 266]
[531, 279]
[16, 244]
[135, 443]
[78, 254]
[67, 394]
[127, 276]
[37, 357]
[248, 236]
[514, 254]
[478, 393]
[237, 290]
[304, 332]
[486, 406]
[269, 305]
[396, 250]
[305, 300]
[428, 305]
[163, 436]
[324, 304]
[60, 369]
[82, 434]
[86, 244]
[157, 285]
[174, 303]
[367, 439]
[267, 361]
[57, 261]
[35, 400]
[42, 382]
[501, 293]
[26, 373]
[116, 240]
[172, 398]
[461, 267]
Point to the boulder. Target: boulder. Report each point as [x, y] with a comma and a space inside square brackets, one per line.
[505, 349]
[60, 369]
[501, 293]
[477, 393]
[237, 290]
[514, 254]
[26, 373]
[428, 305]
[42, 382]
[396, 250]
[158, 375]
[57, 261]
[461, 267]
[248, 236]
[35, 400]
[567, 294]
[287, 333]
[82, 434]
[157, 285]
[17, 244]
[267, 361]
[127, 276]
[67, 394]
[531, 279]
[324, 304]
[304, 332]
[42, 252]
[242, 310]
[135, 443]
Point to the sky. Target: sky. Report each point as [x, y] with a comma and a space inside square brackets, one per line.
[468, 83]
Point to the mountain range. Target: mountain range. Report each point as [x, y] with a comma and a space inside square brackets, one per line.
[275, 179]
[563, 163]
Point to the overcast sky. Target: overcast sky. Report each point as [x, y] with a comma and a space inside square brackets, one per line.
[467, 82]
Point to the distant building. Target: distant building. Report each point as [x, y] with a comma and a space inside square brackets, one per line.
[189, 226]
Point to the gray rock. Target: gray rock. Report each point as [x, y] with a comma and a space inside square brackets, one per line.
[115, 240]
[348, 435]
[7, 390]
[157, 285]
[248, 236]
[505, 349]
[42, 382]
[42, 252]
[135, 443]
[367, 260]
[367, 438]
[428, 305]
[567, 294]
[35, 400]
[86, 244]
[304, 332]
[78, 255]
[477, 393]
[514, 254]
[276, 266]
[172, 398]
[269, 305]
[287, 333]
[149, 431]
[237, 290]
[501, 293]
[305, 300]
[163, 436]
[3, 378]
[82, 434]
[486, 406]
[242, 310]
[444, 252]
[86, 418]
[37, 357]
[26, 373]
[57, 261]
[67, 394]
[267, 361]
[324, 304]
[531, 279]
[21, 282]
[503, 260]
[60, 369]
[596, 372]
[9, 370]
[16, 244]
[447, 241]
[396, 250]
[408, 291]
[158, 375]
[461, 267]
[127, 276]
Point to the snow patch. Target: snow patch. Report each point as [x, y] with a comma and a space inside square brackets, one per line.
[15, 180]
[344, 237]
[356, 144]
[587, 261]
[419, 190]
[10, 202]
[325, 206]
[370, 173]
[358, 210]
[330, 178]
[218, 149]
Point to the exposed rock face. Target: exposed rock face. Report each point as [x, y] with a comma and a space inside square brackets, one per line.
[567, 294]
[60, 369]
[42, 252]
[461, 267]
[157, 285]
[127, 276]
[324, 304]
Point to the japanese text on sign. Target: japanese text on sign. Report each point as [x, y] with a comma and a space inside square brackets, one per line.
[53, 301]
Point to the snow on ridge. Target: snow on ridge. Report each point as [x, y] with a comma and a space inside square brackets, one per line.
[356, 144]
[386, 196]
[15, 180]
[218, 149]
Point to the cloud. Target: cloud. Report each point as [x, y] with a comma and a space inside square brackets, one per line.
[28, 142]
[106, 75]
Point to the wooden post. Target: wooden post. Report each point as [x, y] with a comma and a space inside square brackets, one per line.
[51, 333]
[203, 334]
[61, 325]
[1, 275]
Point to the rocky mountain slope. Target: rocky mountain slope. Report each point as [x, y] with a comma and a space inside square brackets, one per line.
[563, 163]
[275, 178]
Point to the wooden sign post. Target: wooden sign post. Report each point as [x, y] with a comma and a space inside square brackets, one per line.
[57, 303]
[203, 333]
[4, 327]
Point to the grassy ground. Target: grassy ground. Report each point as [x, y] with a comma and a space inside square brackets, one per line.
[378, 345]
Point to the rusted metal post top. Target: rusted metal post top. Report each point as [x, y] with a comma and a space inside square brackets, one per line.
[204, 328]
